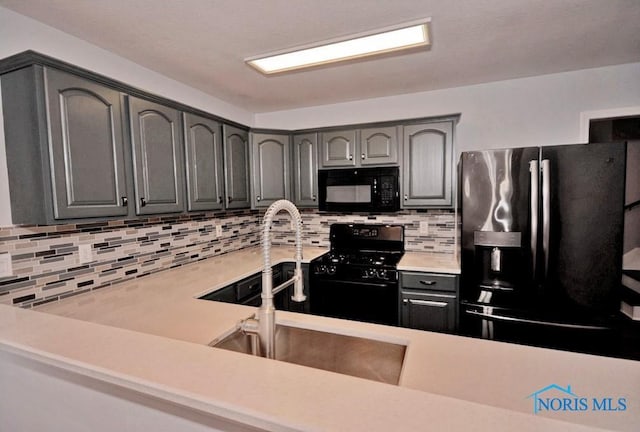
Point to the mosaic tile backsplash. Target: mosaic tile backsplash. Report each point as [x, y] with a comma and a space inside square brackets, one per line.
[441, 237]
[46, 259]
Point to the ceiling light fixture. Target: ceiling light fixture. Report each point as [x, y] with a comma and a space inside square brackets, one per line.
[405, 36]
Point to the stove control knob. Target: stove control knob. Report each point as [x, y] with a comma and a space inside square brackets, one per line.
[331, 269]
[320, 269]
[382, 274]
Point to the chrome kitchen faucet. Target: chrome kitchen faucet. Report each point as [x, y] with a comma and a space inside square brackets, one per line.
[264, 324]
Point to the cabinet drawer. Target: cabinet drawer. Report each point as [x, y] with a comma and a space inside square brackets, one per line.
[428, 281]
[249, 287]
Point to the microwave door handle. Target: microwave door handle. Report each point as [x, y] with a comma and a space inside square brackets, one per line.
[534, 171]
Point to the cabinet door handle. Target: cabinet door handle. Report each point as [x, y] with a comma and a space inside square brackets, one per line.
[124, 201]
[406, 197]
[350, 157]
[427, 282]
[258, 198]
[362, 156]
[425, 302]
[143, 202]
[313, 197]
[219, 200]
[229, 199]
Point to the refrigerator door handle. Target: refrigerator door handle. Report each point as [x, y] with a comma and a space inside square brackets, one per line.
[546, 212]
[494, 317]
[534, 170]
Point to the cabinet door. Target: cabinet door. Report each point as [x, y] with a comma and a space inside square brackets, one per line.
[86, 147]
[236, 167]
[379, 146]
[428, 152]
[203, 150]
[158, 160]
[305, 170]
[271, 159]
[433, 312]
[338, 148]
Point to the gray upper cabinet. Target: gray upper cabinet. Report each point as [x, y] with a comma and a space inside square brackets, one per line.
[236, 166]
[64, 145]
[305, 170]
[428, 168]
[271, 155]
[379, 146]
[203, 151]
[338, 148]
[360, 147]
[158, 160]
[86, 147]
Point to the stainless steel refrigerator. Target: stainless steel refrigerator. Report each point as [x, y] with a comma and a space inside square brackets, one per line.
[542, 244]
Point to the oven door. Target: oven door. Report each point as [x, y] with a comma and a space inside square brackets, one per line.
[355, 300]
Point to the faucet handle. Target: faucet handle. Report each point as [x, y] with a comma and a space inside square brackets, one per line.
[249, 325]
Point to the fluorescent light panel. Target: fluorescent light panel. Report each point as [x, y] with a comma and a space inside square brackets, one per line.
[361, 46]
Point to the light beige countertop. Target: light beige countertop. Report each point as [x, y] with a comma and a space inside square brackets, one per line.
[150, 335]
[428, 262]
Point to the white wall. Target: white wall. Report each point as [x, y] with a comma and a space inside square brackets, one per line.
[542, 110]
[19, 33]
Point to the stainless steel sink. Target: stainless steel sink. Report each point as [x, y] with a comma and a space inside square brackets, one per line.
[356, 356]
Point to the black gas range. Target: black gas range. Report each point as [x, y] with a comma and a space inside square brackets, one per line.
[358, 278]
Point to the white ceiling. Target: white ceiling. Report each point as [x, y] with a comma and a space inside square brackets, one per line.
[202, 43]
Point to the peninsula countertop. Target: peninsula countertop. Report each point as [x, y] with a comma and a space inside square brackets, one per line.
[136, 332]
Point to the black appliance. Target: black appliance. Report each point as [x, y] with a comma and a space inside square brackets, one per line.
[357, 279]
[542, 244]
[359, 189]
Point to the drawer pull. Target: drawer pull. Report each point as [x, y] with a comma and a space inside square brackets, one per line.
[425, 302]
[428, 282]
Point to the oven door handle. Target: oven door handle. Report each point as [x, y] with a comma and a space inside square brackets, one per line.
[531, 321]
[379, 285]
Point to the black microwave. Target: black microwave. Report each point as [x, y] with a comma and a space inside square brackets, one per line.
[359, 189]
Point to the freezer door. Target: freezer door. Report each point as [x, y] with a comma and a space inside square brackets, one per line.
[582, 224]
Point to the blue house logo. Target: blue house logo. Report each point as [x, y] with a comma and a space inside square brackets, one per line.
[557, 398]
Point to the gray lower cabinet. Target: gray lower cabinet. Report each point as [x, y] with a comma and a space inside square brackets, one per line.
[248, 290]
[338, 148]
[236, 167]
[65, 147]
[271, 159]
[204, 163]
[379, 145]
[427, 165]
[429, 301]
[305, 170]
[158, 159]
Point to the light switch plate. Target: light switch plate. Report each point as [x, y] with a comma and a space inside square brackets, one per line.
[424, 228]
[85, 252]
[218, 230]
[6, 268]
